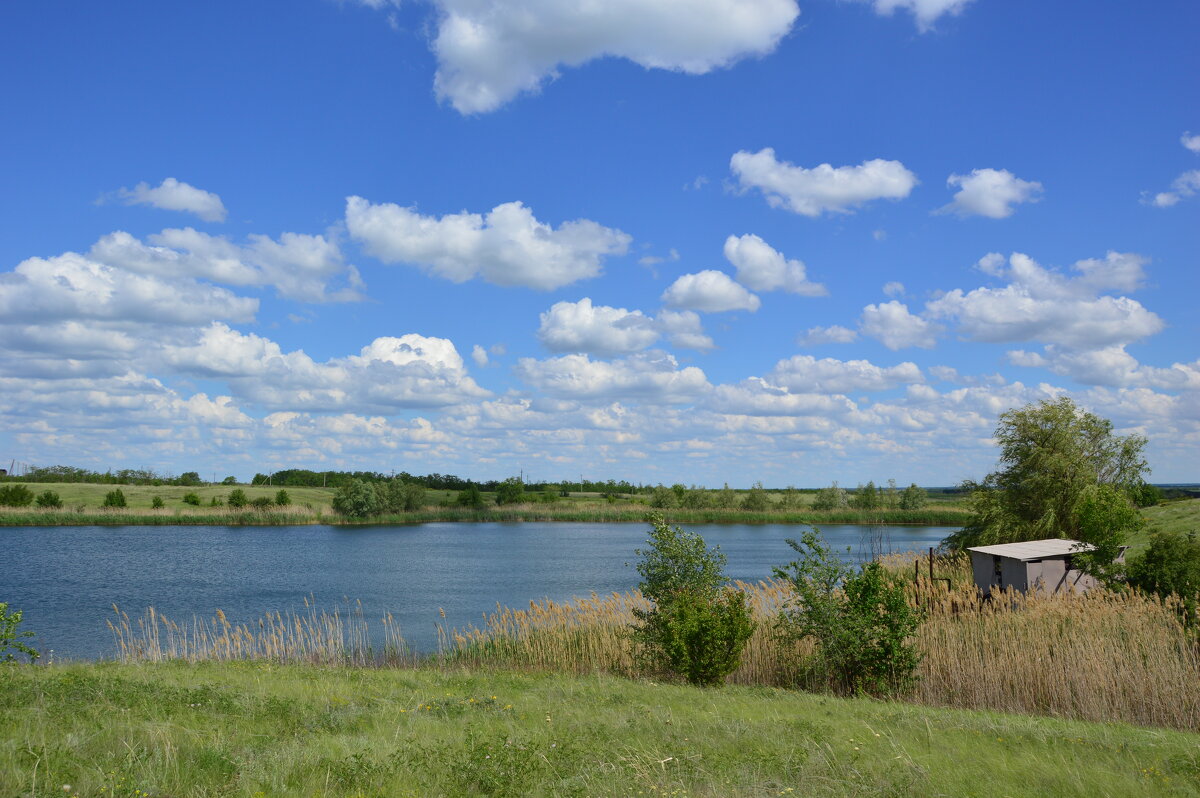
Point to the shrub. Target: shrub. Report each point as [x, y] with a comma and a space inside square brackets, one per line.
[11, 637]
[789, 499]
[15, 496]
[662, 498]
[237, 499]
[510, 491]
[861, 623]
[396, 496]
[215, 501]
[725, 498]
[261, 503]
[114, 498]
[282, 498]
[831, 498]
[49, 499]
[470, 497]
[756, 499]
[866, 497]
[157, 503]
[192, 499]
[1170, 565]
[913, 498]
[696, 627]
[356, 499]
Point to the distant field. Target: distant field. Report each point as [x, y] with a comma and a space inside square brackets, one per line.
[74, 494]
[1177, 516]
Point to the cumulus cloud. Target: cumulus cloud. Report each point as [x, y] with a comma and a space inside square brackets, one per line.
[893, 288]
[301, 267]
[925, 12]
[683, 330]
[1191, 142]
[824, 188]
[834, 334]
[479, 355]
[1109, 366]
[762, 268]
[490, 51]
[598, 329]
[1184, 186]
[990, 192]
[710, 291]
[895, 327]
[175, 195]
[1048, 306]
[410, 371]
[828, 375]
[507, 246]
[758, 397]
[653, 377]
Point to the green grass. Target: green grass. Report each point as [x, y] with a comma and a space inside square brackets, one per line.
[253, 729]
[74, 494]
[1176, 516]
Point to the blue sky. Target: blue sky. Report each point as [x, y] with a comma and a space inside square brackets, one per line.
[687, 241]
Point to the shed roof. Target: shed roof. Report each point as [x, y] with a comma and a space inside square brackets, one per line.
[1035, 549]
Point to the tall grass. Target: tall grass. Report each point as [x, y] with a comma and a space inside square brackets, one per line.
[1103, 656]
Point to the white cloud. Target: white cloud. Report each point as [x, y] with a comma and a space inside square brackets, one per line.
[990, 192]
[759, 397]
[175, 195]
[653, 377]
[479, 355]
[597, 329]
[301, 267]
[926, 12]
[1110, 366]
[490, 51]
[834, 334]
[1184, 186]
[1191, 142]
[683, 329]
[893, 288]
[508, 246]
[1043, 305]
[811, 192]
[710, 291]
[895, 327]
[828, 375]
[762, 268]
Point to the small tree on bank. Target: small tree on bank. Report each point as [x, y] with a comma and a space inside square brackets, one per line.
[696, 626]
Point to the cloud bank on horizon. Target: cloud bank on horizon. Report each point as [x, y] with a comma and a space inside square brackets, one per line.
[482, 280]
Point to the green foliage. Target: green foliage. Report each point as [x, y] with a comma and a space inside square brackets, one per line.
[15, 496]
[1063, 474]
[237, 499]
[261, 503]
[215, 501]
[470, 496]
[913, 498]
[695, 499]
[282, 498]
[356, 499]
[696, 627]
[662, 498]
[1171, 564]
[1146, 495]
[49, 499]
[398, 496]
[510, 491]
[114, 498]
[725, 498]
[189, 479]
[789, 499]
[229, 481]
[866, 497]
[11, 637]
[862, 624]
[831, 498]
[756, 499]
[157, 503]
[192, 499]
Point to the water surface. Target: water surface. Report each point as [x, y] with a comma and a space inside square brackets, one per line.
[66, 579]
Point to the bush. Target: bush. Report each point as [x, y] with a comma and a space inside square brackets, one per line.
[237, 499]
[192, 499]
[282, 498]
[356, 499]
[470, 497]
[831, 498]
[11, 637]
[756, 499]
[261, 503]
[696, 627]
[510, 491]
[398, 496]
[15, 496]
[49, 499]
[866, 497]
[862, 624]
[157, 503]
[1170, 565]
[913, 498]
[114, 498]
[662, 498]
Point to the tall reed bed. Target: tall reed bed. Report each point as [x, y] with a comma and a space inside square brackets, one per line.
[1103, 656]
[168, 516]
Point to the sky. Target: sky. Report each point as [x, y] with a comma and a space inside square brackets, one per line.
[697, 241]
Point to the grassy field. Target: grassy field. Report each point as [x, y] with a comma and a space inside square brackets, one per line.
[258, 730]
[1177, 516]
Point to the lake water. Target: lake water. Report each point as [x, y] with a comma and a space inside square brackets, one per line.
[66, 579]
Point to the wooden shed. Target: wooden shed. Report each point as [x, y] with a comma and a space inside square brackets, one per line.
[1040, 565]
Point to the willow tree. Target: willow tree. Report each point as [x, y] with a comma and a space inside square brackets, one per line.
[1063, 473]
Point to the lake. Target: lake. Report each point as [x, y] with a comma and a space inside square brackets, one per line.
[66, 579]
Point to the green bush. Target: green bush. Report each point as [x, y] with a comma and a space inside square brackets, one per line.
[861, 622]
[398, 496]
[261, 503]
[114, 498]
[15, 496]
[470, 497]
[913, 498]
[192, 499]
[282, 498]
[356, 499]
[49, 499]
[756, 499]
[696, 626]
[510, 491]
[237, 499]
[1171, 565]
[11, 637]
[157, 503]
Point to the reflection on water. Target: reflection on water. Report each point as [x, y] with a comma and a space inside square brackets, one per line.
[66, 579]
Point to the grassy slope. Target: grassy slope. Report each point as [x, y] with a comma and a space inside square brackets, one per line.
[1177, 516]
[260, 730]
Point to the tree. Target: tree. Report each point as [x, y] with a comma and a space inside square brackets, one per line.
[356, 499]
[282, 498]
[49, 499]
[696, 626]
[756, 499]
[510, 491]
[114, 498]
[470, 497]
[866, 497]
[1171, 565]
[189, 479]
[237, 499]
[15, 496]
[1063, 474]
[913, 498]
[789, 499]
[662, 498]
[725, 498]
[831, 498]
[157, 503]
[229, 481]
[861, 622]
[11, 638]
